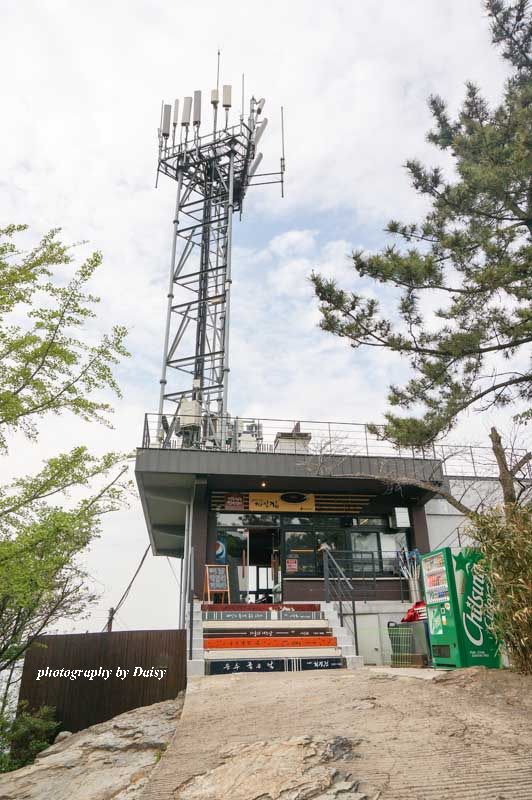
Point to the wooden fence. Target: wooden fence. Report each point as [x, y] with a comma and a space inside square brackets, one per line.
[87, 700]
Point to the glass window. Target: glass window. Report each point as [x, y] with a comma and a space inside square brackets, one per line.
[365, 553]
[335, 541]
[300, 553]
[247, 519]
[390, 544]
[315, 521]
[380, 522]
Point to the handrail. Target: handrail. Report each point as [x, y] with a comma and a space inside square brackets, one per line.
[342, 590]
[325, 443]
[191, 601]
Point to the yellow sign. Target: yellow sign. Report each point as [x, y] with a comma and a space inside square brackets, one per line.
[281, 501]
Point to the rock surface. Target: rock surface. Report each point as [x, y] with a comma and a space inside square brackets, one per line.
[110, 760]
[298, 768]
[346, 734]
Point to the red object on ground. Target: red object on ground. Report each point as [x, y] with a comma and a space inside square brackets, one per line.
[416, 612]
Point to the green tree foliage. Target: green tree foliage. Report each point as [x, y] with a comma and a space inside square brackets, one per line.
[51, 362]
[506, 546]
[22, 738]
[43, 366]
[472, 252]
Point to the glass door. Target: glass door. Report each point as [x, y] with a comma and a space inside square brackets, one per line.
[237, 558]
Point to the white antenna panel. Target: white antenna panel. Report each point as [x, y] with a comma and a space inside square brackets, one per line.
[167, 111]
[260, 105]
[227, 97]
[176, 113]
[255, 165]
[260, 130]
[187, 110]
[215, 97]
[197, 108]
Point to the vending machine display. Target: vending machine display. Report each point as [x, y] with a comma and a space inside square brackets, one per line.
[458, 609]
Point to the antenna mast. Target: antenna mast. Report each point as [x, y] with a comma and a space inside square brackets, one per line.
[213, 173]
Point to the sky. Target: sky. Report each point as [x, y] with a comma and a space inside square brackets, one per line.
[82, 88]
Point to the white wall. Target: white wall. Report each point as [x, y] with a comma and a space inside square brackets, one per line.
[446, 526]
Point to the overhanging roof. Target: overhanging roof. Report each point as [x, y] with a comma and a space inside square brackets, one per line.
[166, 479]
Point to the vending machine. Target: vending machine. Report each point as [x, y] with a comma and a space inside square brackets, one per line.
[458, 609]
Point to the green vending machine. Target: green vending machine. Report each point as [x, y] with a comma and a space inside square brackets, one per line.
[458, 609]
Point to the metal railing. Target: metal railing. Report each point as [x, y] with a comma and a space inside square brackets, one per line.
[340, 590]
[325, 444]
[191, 602]
[364, 568]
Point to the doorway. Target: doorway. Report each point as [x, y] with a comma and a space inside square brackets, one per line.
[264, 563]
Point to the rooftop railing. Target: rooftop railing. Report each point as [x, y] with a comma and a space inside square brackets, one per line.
[324, 442]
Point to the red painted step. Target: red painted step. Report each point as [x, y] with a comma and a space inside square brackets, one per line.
[261, 641]
[260, 607]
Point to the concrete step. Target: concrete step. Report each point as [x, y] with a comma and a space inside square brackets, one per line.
[354, 662]
[270, 642]
[322, 634]
[272, 624]
[254, 616]
[226, 667]
[196, 666]
[232, 654]
[261, 606]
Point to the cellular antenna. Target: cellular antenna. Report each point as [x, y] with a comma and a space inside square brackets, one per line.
[213, 174]
[175, 120]
[187, 111]
[197, 109]
[226, 103]
[167, 111]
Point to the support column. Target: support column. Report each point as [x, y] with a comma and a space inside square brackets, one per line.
[418, 522]
[199, 534]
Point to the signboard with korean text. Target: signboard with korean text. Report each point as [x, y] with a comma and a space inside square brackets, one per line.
[281, 501]
[216, 582]
[234, 502]
[223, 667]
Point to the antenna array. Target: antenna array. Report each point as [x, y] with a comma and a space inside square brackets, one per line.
[213, 172]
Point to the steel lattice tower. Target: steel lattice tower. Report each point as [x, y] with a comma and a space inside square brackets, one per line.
[213, 173]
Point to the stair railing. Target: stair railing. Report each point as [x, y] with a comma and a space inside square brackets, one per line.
[191, 602]
[340, 590]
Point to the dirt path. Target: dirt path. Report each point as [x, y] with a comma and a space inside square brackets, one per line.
[466, 735]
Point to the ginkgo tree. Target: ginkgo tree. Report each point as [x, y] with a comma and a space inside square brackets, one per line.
[52, 362]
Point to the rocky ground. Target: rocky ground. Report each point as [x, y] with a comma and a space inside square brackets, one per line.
[109, 760]
[366, 734]
[350, 735]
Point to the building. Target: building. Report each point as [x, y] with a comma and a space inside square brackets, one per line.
[278, 492]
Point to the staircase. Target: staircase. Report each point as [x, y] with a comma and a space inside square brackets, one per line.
[286, 637]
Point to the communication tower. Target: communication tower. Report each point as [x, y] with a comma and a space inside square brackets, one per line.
[213, 171]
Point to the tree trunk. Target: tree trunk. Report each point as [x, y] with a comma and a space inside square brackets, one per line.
[506, 479]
